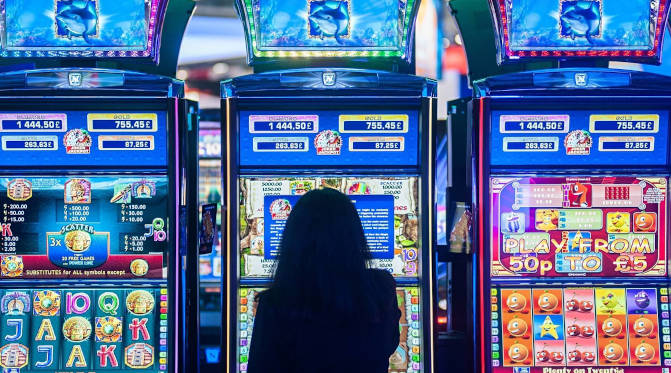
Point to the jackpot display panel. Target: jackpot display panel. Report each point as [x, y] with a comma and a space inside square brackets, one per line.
[91, 219]
[572, 223]
[375, 151]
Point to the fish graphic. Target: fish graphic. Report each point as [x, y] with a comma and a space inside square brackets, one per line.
[580, 18]
[77, 18]
[329, 18]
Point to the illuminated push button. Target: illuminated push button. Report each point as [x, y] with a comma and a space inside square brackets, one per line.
[494, 292]
[243, 325]
[163, 322]
[243, 301]
[665, 307]
[244, 350]
[495, 355]
[666, 338]
[164, 297]
[415, 333]
[164, 291]
[415, 341]
[665, 314]
[665, 299]
[665, 322]
[495, 331]
[163, 367]
[495, 347]
[243, 358]
[495, 339]
[495, 363]
[495, 323]
[243, 367]
[164, 304]
[666, 331]
[415, 358]
[494, 300]
[495, 307]
[414, 308]
[164, 310]
[163, 354]
[667, 346]
[243, 292]
[162, 361]
[414, 292]
[164, 317]
[664, 291]
[163, 335]
[414, 300]
[495, 315]
[243, 334]
[243, 317]
[667, 354]
[243, 309]
[415, 349]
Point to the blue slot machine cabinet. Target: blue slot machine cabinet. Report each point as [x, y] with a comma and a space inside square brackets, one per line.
[572, 216]
[98, 198]
[329, 121]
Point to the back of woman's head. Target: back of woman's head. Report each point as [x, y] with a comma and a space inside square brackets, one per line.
[323, 258]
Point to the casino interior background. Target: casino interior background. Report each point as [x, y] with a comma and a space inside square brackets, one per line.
[456, 44]
[213, 50]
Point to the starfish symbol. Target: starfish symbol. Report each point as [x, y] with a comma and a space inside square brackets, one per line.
[549, 328]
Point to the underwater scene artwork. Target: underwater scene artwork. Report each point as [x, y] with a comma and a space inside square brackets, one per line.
[333, 24]
[76, 24]
[582, 24]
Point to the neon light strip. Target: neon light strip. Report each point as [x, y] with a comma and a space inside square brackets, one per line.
[86, 53]
[546, 53]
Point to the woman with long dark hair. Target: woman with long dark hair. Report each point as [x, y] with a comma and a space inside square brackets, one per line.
[326, 311]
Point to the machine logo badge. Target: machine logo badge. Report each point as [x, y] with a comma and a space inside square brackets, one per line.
[328, 143]
[77, 141]
[11, 266]
[19, 190]
[77, 191]
[280, 209]
[13, 355]
[580, 79]
[15, 303]
[75, 79]
[329, 78]
[578, 142]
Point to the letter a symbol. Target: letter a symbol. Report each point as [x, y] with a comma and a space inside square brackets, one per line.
[46, 327]
[78, 354]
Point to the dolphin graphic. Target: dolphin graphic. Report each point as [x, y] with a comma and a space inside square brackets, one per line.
[77, 18]
[329, 18]
[580, 18]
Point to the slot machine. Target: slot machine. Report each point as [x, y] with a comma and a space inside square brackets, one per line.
[335, 117]
[572, 168]
[98, 195]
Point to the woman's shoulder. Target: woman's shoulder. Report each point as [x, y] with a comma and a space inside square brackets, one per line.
[382, 279]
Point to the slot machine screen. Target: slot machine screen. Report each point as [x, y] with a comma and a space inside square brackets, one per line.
[387, 206]
[581, 28]
[404, 359]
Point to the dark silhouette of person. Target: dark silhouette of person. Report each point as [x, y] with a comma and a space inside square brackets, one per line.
[326, 310]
